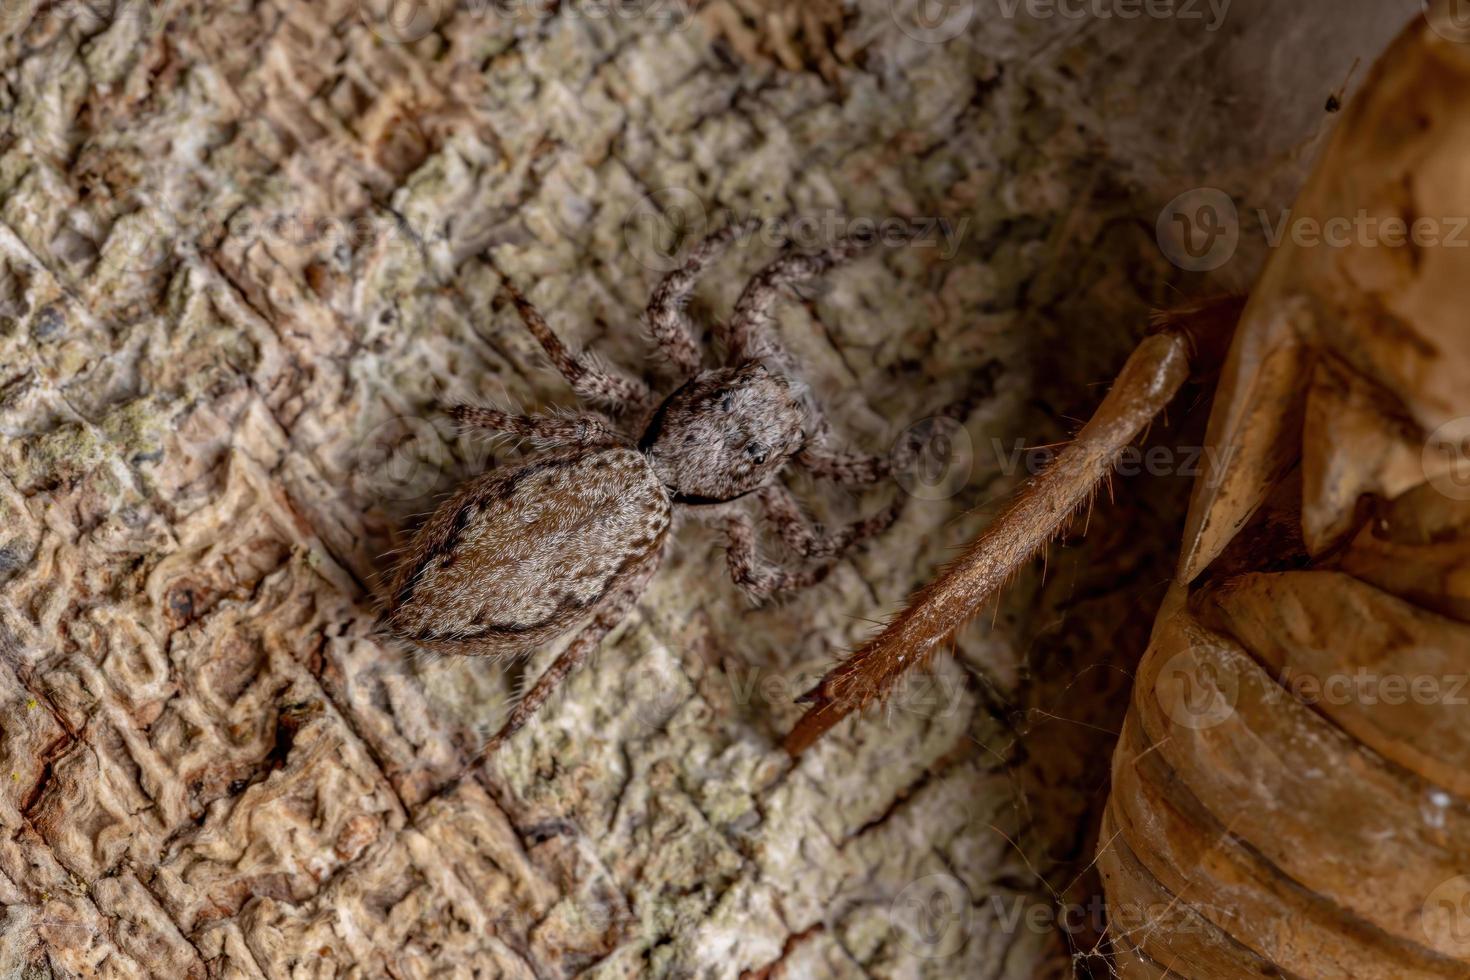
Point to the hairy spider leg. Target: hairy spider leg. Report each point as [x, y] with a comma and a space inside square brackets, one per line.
[749, 336]
[569, 430]
[761, 578]
[847, 468]
[756, 576]
[668, 319]
[588, 378]
[814, 541]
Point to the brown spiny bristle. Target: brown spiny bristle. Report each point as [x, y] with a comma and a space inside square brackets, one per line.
[936, 613]
[1152, 376]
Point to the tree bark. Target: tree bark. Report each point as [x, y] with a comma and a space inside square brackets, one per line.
[247, 253]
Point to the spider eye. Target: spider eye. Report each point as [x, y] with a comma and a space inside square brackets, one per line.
[727, 401]
[757, 453]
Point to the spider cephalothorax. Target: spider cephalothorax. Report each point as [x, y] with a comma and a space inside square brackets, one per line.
[725, 433]
[570, 538]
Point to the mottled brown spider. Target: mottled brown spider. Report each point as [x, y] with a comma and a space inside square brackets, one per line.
[571, 537]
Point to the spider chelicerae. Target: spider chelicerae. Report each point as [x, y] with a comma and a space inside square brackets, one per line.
[571, 537]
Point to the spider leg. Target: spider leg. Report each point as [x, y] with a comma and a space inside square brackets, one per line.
[749, 336]
[862, 469]
[783, 511]
[613, 609]
[588, 379]
[761, 579]
[846, 468]
[667, 319]
[575, 430]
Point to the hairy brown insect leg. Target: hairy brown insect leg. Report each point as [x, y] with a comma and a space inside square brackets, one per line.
[861, 469]
[668, 320]
[588, 378]
[1148, 381]
[808, 541]
[749, 336]
[572, 430]
[760, 578]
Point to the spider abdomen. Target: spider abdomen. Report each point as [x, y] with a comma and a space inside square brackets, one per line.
[516, 558]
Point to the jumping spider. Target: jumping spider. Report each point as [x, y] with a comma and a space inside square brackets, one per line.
[518, 557]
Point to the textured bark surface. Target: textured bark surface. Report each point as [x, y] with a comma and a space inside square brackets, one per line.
[246, 252]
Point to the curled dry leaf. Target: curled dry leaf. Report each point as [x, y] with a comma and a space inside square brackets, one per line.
[1297, 733]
